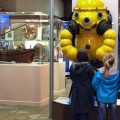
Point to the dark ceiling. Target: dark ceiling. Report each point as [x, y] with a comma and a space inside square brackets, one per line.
[67, 0]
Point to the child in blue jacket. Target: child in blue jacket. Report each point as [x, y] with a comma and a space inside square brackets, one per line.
[106, 84]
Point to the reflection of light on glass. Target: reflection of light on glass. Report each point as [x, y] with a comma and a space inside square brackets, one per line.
[89, 42]
[34, 20]
[30, 44]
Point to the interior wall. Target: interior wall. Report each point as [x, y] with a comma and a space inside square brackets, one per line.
[113, 7]
[59, 8]
[34, 6]
[67, 8]
[11, 6]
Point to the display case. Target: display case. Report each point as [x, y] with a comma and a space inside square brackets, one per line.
[24, 46]
[26, 35]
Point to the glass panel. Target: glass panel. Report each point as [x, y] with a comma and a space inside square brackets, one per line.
[24, 46]
[24, 31]
[68, 82]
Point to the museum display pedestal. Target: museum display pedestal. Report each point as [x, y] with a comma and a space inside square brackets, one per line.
[59, 77]
[62, 111]
[24, 84]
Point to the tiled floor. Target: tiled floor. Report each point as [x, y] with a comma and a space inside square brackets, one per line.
[29, 113]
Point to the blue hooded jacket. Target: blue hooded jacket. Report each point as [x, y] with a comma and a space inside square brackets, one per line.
[107, 88]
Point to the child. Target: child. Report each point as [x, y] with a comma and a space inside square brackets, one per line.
[106, 84]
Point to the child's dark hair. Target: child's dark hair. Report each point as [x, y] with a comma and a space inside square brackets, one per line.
[108, 61]
[82, 55]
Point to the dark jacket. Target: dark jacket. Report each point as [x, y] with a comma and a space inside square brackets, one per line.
[81, 74]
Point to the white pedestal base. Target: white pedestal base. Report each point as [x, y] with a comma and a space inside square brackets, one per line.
[24, 84]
